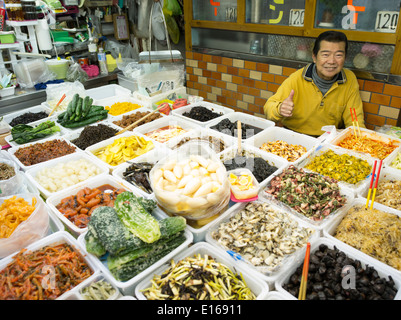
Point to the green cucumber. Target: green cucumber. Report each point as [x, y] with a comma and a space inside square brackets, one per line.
[72, 105]
[85, 122]
[85, 106]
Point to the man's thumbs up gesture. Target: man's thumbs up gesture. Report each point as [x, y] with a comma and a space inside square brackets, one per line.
[287, 105]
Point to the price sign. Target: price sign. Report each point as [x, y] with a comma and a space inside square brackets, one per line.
[386, 21]
[231, 14]
[297, 17]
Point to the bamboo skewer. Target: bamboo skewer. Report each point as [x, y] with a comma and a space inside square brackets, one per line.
[239, 133]
[353, 121]
[377, 180]
[305, 270]
[58, 103]
[371, 184]
[356, 120]
[138, 121]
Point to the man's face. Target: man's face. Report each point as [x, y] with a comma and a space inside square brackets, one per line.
[330, 59]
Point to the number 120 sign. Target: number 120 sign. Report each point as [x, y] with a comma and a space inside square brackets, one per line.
[297, 17]
[386, 21]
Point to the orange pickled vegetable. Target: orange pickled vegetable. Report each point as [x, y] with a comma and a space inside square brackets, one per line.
[14, 211]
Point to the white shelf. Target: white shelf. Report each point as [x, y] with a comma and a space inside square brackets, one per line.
[13, 23]
[9, 45]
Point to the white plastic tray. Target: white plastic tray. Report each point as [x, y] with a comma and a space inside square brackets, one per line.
[318, 225]
[370, 133]
[10, 116]
[291, 137]
[167, 121]
[268, 277]
[103, 144]
[31, 173]
[208, 105]
[257, 286]
[152, 102]
[54, 239]
[35, 124]
[382, 272]
[245, 119]
[152, 156]
[329, 230]
[91, 183]
[24, 167]
[107, 91]
[356, 188]
[128, 287]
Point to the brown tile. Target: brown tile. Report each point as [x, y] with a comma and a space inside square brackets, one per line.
[222, 99]
[287, 71]
[391, 122]
[227, 61]
[216, 75]
[190, 84]
[222, 68]
[207, 58]
[193, 78]
[206, 88]
[227, 93]
[236, 95]
[361, 83]
[243, 89]
[189, 70]
[253, 108]
[375, 120]
[189, 55]
[260, 85]
[238, 80]
[197, 85]
[216, 59]
[207, 73]
[202, 65]
[369, 126]
[232, 70]
[250, 65]
[260, 102]
[203, 95]
[211, 82]
[279, 79]
[243, 73]
[373, 86]
[262, 67]
[249, 82]
[231, 102]
[268, 77]
[254, 92]
[272, 87]
[392, 90]
[395, 102]
[221, 84]
[380, 99]
[370, 107]
[197, 56]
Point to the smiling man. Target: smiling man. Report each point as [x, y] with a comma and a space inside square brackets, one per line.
[319, 94]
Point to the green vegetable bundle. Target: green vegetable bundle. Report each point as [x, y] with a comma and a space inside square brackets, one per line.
[23, 133]
[128, 255]
[80, 112]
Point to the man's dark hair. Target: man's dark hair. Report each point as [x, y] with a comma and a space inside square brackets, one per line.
[330, 36]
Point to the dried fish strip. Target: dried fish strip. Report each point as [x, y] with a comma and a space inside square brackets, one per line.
[198, 278]
[262, 235]
[290, 152]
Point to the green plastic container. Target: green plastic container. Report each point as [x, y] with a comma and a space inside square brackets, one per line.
[59, 67]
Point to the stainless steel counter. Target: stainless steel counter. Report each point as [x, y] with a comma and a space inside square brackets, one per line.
[26, 98]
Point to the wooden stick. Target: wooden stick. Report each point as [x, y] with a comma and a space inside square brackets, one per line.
[58, 103]
[356, 120]
[136, 122]
[353, 122]
[305, 270]
[377, 180]
[239, 133]
[371, 184]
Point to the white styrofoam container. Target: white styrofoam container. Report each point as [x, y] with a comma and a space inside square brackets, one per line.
[31, 173]
[257, 286]
[72, 135]
[164, 122]
[153, 102]
[107, 91]
[118, 118]
[24, 167]
[103, 144]
[153, 156]
[247, 119]
[371, 134]
[321, 149]
[128, 287]
[36, 109]
[56, 238]
[291, 137]
[108, 102]
[329, 231]
[208, 105]
[269, 277]
[382, 272]
[35, 124]
[206, 133]
[252, 152]
[318, 225]
[92, 183]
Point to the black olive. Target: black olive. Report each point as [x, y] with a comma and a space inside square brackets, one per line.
[329, 293]
[337, 288]
[314, 259]
[323, 247]
[317, 287]
[379, 288]
[322, 269]
[339, 297]
[312, 268]
[313, 296]
[294, 279]
[364, 281]
[321, 295]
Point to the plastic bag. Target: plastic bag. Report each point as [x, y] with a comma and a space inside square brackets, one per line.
[172, 7]
[54, 93]
[28, 231]
[172, 28]
[158, 29]
[33, 71]
[191, 182]
[76, 73]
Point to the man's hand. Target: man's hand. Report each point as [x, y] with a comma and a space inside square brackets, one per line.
[287, 106]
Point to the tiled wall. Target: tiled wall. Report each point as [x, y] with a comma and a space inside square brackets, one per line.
[245, 86]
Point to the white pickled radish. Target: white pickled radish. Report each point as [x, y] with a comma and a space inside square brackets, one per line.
[206, 180]
[203, 172]
[213, 176]
[204, 190]
[170, 187]
[212, 198]
[183, 182]
[186, 169]
[195, 173]
[196, 202]
[167, 174]
[202, 161]
[157, 175]
[192, 186]
[169, 165]
[178, 171]
[160, 183]
[213, 166]
[194, 164]
[221, 174]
